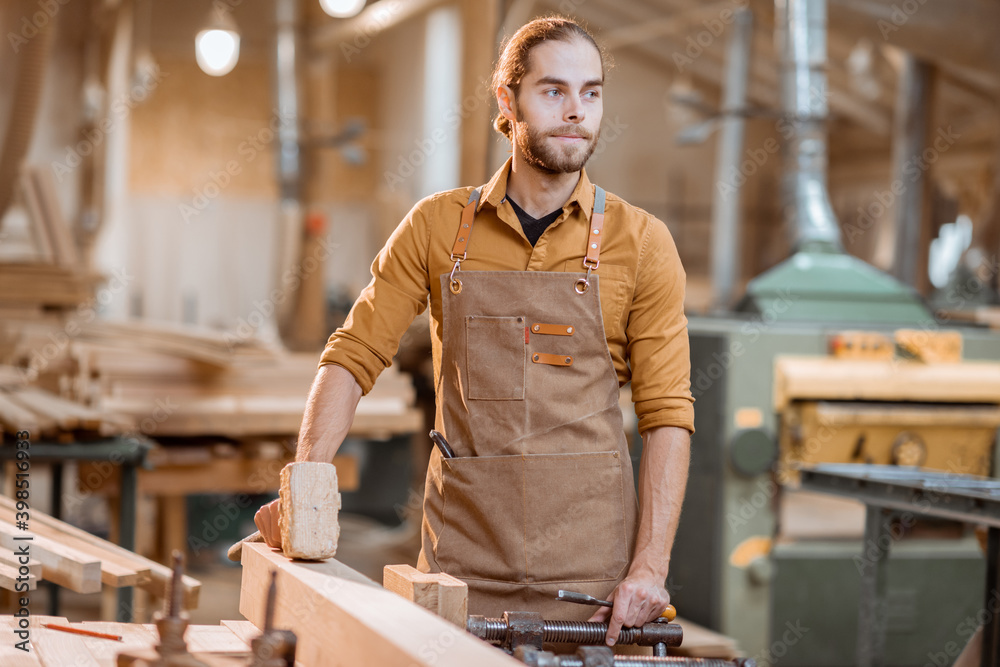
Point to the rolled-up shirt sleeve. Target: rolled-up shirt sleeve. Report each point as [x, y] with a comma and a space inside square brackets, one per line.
[369, 338]
[658, 348]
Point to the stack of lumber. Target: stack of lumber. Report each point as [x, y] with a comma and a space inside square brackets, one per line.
[55, 648]
[249, 396]
[172, 380]
[53, 278]
[45, 415]
[75, 559]
[44, 284]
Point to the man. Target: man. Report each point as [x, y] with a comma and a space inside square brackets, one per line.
[540, 310]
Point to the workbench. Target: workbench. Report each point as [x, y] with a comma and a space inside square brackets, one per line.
[893, 492]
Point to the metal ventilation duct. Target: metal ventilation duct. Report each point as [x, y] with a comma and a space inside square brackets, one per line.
[820, 282]
[801, 33]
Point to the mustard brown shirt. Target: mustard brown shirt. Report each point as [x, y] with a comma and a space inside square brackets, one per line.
[641, 286]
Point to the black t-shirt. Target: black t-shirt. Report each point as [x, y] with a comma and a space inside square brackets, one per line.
[533, 227]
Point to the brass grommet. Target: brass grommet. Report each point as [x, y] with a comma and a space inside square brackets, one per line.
[581, 286]
[455, 286]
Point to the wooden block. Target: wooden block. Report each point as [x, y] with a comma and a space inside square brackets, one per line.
[309, 508]
[343, 618]
[60, 564]
[440, 593]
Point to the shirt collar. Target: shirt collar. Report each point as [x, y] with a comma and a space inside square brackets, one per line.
[495, 190]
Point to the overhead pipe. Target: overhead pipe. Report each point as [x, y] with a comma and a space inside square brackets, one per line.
[726, 219]
[801, 33]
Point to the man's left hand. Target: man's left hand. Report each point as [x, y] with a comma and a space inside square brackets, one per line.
[638, 600]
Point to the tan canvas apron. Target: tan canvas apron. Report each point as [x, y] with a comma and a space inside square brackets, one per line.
[540, 494]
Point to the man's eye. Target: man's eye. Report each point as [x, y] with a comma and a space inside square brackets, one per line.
[593, 94]
[552, 92]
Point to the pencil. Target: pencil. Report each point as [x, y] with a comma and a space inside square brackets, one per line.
[80, 631]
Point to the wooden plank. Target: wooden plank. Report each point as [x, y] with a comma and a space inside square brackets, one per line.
[68, 414]
[439, 593]
[15, 417]
[63, 245]
[213, 639]
[803, 378]
[34, 567]
[60, 564]
[9, 653]
[159, 575]
[115, 571]
[44, 244]
[105, 651]
[9, 579]
[342, 618]
[310, 505]
[245, 630]
[55, 647]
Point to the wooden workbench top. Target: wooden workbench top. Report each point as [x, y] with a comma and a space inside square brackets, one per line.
[54, 648]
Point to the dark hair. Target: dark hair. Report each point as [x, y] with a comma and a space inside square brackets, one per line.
[515, 56]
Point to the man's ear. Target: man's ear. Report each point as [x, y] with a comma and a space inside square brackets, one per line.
[505, 100]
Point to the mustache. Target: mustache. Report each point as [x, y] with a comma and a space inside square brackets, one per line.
[571, 131]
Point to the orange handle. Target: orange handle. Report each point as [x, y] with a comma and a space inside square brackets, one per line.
[670, 613]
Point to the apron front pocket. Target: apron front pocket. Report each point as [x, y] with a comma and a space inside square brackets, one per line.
[496, 352]
[574, 517]
[482, 536]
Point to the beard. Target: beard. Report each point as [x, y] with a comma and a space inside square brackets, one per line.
[549, 159]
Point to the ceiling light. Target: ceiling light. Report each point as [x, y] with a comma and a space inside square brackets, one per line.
[217, 47]
[342, 9]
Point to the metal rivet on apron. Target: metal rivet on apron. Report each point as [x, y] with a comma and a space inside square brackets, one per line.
[596, 231]
[569, 329]
[461, 240]
[467, 226]
[569, 360]
[535, 328]
[520, 319]
[534, 357]
[593, 245]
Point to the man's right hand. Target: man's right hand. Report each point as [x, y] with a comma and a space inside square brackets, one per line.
[266, 519]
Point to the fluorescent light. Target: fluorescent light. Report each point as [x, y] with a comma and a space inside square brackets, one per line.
[342, 9]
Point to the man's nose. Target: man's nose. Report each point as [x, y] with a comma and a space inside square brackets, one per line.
[574, 112]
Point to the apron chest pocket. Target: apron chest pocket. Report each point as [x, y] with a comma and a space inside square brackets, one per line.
[534, 518]
[495, 361]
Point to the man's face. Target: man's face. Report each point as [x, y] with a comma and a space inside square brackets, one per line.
[558, 107]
